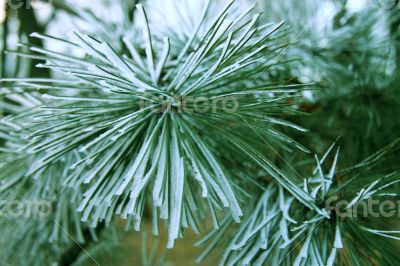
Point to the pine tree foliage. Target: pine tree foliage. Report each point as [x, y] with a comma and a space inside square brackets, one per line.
[278, 230]
[188, 111]
[56, 227]
[353, 58]
[119, 118]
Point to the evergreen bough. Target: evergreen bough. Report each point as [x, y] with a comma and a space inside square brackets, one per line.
[195, 114]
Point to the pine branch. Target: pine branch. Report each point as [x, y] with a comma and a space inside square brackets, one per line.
[278, 230]
[126, 149]
[191, 113]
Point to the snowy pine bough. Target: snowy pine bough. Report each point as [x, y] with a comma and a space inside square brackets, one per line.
[185, 115]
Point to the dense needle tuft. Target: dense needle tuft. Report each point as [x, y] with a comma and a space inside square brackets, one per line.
[151, 124]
